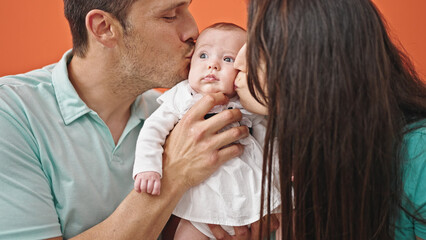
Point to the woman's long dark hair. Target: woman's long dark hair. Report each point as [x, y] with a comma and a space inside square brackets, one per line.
[339, 95]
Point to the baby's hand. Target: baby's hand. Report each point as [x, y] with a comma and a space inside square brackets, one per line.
[148, 182]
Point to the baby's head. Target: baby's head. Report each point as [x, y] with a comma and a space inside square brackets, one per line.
[212, 65]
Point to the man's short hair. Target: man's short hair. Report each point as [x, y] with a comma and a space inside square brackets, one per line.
[76, 11]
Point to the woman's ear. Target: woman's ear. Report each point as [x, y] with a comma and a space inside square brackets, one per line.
[103, 28]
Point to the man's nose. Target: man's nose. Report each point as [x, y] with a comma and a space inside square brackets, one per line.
[189, 30]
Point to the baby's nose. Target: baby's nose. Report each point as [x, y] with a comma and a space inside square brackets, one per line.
[213, 64]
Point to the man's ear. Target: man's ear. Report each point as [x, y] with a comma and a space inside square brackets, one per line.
[103, 27]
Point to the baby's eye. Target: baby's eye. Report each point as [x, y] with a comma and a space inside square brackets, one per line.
[203, 55]
[228, 59]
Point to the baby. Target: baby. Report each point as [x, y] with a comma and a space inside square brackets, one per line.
[231, 196]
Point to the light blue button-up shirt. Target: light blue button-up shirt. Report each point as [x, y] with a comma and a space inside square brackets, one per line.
[60, 170]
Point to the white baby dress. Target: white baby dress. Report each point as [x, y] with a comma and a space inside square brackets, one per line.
[231, 196]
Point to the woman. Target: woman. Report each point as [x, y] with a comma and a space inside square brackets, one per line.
[346, 116]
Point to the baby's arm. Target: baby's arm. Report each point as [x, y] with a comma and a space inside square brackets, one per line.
[148, 182]
[147, 169]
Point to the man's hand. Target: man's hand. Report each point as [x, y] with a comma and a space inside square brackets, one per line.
[244, 232]
[194, 149]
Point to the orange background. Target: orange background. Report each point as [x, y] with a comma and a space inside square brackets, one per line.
[35, 33]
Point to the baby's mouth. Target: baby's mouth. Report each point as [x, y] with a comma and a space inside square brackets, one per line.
[210, 78]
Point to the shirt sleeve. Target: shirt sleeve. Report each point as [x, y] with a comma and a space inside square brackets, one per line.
[415, 179]
[26, 203]
[149, 146]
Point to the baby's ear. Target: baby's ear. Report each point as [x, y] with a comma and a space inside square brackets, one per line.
[103, 28]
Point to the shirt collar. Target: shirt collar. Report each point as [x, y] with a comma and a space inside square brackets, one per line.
[137, 108]
[70, 104]
[145, 104]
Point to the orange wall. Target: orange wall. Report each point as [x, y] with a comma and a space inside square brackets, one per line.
[35, 33]
[407, 23]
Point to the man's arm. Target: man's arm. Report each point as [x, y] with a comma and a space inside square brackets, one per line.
[193, 151]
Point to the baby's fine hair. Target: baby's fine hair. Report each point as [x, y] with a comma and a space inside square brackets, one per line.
[225, 26]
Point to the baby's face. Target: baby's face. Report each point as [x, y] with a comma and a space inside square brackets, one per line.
[212, 65]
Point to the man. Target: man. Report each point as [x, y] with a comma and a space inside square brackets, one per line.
[68, 131]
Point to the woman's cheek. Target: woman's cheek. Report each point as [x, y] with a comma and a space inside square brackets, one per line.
[256, 107]
[249, 102]
[246, 99]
